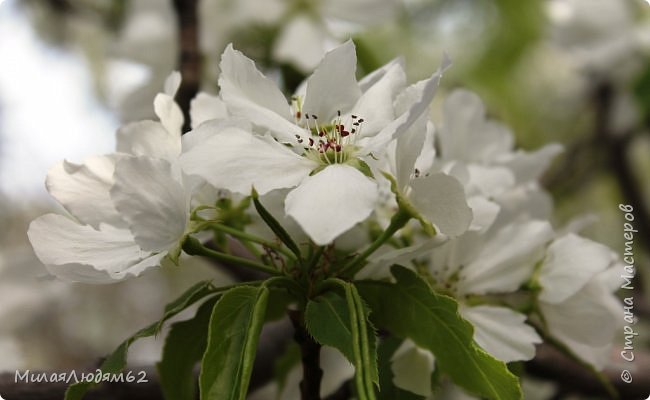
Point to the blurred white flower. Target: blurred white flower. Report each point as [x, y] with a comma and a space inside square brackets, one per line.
[577, 298]
[320, 26]
[130, 208]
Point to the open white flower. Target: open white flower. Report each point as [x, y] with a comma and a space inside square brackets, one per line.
[437, 196]
[129, 209]
[340, 124]
[483, 151]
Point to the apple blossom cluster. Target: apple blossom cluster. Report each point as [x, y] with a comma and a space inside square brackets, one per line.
[337, 185]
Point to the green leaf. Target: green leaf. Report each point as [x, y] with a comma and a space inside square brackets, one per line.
[275, 226]
[117, 360]
[389, 391]
[184, 346]
[234, 331]
[343, 323]
[279, 300]
[189, 297]
[411, 309]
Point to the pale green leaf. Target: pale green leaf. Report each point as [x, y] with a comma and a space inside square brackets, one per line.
[234, 331]
[184, 347]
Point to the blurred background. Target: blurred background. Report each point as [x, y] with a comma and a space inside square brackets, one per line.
[575, 72]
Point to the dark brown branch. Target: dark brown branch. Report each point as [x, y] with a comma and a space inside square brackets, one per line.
[310, 351]
[616, 144]
[189, 55]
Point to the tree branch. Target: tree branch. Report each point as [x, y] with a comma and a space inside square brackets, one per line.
[310, 350]
[189, 59]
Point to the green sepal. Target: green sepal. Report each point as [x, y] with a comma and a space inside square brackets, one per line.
[275, 226]
[361, 166]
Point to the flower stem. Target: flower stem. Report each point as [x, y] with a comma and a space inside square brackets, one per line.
[310, 351]
[195, 248]
[397, 222]
[251, 238]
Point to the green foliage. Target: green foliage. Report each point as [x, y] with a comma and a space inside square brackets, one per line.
[183, 349]
[410, 309]
[342, 322]
[117, 360]
[234, 331]
[641, 91]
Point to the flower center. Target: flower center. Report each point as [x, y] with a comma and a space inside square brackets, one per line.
[329, 143]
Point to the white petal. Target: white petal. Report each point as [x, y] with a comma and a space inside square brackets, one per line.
[422, 94]
[250, 94]
[502, 332]
[412, 368]
[200, 134]
[427, 156]
[172, 83]
[466, 135]
[370, 79]
[169, 113]
[441, 200]
[149, 138]
[303, 43]
[524, 202]
[375, 105]
[83, 189]
[592, 316]
[331, 202]
[237, 160]
[529, 166]
[407, 150]
[151, 199]
[333, 86]
[507, 260]
[489, 181]
[380, 262]
[484, 213]
[448, 259]
[81, 253]
[205, 107]
[571, 261]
